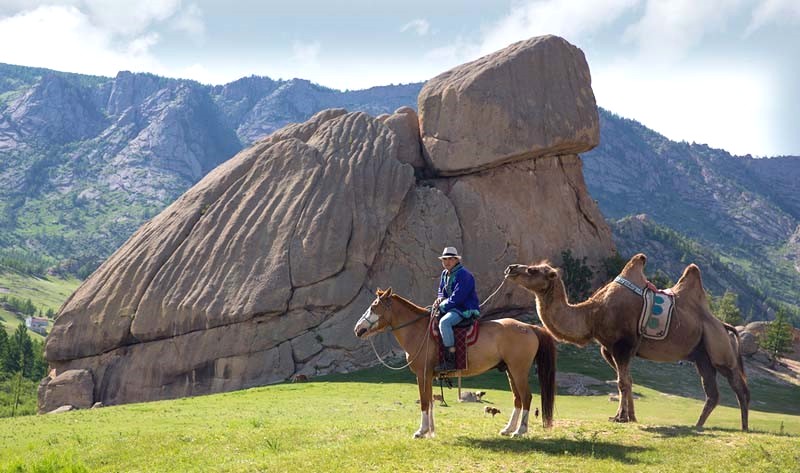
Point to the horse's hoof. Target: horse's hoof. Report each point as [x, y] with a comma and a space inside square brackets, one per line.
[505, 432]
[431, 435]
[518, 434]
[621, 420]
[419, 435]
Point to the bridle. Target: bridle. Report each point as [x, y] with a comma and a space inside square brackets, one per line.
[424, 342]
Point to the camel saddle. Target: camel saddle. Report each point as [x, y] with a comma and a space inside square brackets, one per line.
[656, 311]
[465, 334]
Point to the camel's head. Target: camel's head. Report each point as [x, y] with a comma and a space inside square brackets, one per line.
[536, 278]
[375, 318]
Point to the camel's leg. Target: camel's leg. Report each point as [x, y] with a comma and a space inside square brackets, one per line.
[738, 384]
[425, 385]
[622, 354]
[708, 375]
[512, 422]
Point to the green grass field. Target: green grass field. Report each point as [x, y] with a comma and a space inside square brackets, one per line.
[45, 293]
[364, 422]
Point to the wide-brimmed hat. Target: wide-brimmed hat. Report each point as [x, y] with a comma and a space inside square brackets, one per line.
[450, 252]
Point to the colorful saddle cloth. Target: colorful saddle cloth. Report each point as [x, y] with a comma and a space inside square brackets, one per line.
[656, 313]
[464, 336]
[656, 310]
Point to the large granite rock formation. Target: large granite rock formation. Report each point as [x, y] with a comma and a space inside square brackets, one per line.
[533, 98]
[258, 272]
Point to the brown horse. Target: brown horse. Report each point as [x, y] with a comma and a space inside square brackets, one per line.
[503, 341]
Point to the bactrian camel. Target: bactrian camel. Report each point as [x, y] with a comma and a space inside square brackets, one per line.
[610, 316]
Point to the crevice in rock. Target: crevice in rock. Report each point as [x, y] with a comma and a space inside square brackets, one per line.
[170, 338]
[203, 210]
[576, 191]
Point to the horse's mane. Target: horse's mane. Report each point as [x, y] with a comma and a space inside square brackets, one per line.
[409, 304]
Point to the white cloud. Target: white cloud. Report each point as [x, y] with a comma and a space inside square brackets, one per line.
[130, 17]
[774, 11]
[190, 20]
[64, 38]
[721, 106]
[420, 26]
[668, 30]
[306, 53]
[571, 19]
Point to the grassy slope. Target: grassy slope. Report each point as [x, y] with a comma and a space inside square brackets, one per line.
[364, 421]
[49, 292]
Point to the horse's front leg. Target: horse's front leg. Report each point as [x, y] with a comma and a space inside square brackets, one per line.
[426, 426]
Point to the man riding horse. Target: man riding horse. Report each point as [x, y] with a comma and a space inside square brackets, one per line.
[457, 300]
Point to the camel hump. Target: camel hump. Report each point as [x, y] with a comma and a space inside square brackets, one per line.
[691, 277]
[634, 269]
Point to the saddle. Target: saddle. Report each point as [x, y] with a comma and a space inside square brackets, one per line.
[466, 334]
[656, 313]
[657, 308]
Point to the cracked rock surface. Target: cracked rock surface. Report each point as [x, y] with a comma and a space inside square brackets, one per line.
[259, 272]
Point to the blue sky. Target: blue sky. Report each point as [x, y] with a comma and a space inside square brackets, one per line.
[721, 72]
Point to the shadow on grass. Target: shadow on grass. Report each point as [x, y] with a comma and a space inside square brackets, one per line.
[670, 431]
[588, 447]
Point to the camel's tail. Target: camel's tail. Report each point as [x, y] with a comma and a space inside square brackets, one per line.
[730, 328]
[546, 368]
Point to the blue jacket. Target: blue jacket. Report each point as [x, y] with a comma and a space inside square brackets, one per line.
[457, 288]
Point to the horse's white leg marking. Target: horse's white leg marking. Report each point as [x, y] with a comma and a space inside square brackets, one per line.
[424, 426]
[512, 423]
[432, 426]
[523, 425]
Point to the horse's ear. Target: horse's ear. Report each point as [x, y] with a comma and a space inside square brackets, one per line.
[378, 292]
[388, 292]
[552, 274]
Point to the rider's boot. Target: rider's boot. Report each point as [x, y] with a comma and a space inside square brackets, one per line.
[449, 362]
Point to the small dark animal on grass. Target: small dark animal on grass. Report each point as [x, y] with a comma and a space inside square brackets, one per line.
[299, 378]
[536, 413]
[491, 410]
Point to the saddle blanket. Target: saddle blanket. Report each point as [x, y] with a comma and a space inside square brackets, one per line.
[656, 313]
[464, 336]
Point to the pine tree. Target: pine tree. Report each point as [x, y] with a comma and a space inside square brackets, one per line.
[726, 309]
[778, 337]
[577, 276]
[3, 348]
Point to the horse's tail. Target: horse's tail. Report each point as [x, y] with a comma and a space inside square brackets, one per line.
[546, 368]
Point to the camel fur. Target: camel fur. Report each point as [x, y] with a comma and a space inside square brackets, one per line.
[610, 317]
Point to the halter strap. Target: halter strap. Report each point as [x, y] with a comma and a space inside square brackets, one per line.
[633, 287]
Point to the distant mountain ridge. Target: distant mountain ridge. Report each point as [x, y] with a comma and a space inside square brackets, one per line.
[744, 210]
[85, 160]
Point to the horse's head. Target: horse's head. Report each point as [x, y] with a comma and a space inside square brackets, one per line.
[536, 278]
[375, 319]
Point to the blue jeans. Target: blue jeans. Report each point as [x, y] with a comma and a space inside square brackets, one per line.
[446, 324]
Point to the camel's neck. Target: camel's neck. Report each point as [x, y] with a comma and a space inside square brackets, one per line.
[571, 323]
[409, 323]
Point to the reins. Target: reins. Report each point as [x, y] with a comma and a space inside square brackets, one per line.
[493, 294]
[419, 350]
[426, 337]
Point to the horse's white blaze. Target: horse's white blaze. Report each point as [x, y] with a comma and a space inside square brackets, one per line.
[512, 422]
[367, 320]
